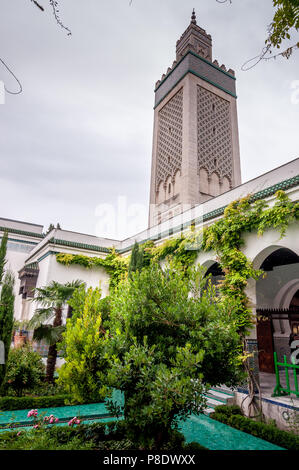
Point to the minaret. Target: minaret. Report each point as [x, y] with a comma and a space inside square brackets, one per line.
[196, 139]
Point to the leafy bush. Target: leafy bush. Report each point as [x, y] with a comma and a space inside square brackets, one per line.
[25, 370]
[40, 440]
[265, 431]
[193, 446]
[98, 436]
[160, 346]
[82, 347]
[229, 410]
[24, 403]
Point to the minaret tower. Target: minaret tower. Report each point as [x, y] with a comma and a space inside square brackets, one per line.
[196, 139]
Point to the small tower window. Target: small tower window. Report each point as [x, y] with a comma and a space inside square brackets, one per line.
[169, 188]
[214, 130]
[213, 107]
[215, 161]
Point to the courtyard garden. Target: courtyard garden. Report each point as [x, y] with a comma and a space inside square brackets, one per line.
[139, 363]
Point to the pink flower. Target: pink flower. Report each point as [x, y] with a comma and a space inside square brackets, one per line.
[51, 421]
[32, 413]
[19, 433]
[77, 421]
[36, 426]
[56, 420]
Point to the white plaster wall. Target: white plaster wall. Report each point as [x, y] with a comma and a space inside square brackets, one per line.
[272, 410]
[258, 248]
[15, 262]
[50, 270]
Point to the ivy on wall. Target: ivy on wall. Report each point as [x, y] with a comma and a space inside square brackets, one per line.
[224, 237]
[115, 265]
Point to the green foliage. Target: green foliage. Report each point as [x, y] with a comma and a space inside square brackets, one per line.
[136, 259]
[228, 410]
[7, 299]
[83, 349]
[30, 402]
[25, 369]
[163, 348]
[40, 440]
[175, 248]
[284, 24]
[225, 238]
[51, 298]
[114, 264]
[268, 432]
[193, 446]
[3, 249]
[97, 436]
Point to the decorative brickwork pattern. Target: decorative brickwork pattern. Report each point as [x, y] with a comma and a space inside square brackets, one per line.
[214, 134]
[170, 135]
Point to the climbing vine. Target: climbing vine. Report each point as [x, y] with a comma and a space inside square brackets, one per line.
[224, 237]
[115, 265]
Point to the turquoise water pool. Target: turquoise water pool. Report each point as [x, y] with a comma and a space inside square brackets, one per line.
[202, 429]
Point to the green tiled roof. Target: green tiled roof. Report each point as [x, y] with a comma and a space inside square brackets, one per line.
[21, 232]
[287, 184]
[85, 246]
[267, 192]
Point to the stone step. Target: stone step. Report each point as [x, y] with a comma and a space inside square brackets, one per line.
[224, 389]
[218, 396]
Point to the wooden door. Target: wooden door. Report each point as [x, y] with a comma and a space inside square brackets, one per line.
[265, 345]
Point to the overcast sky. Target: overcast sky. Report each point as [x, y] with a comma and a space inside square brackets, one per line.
[80, 134]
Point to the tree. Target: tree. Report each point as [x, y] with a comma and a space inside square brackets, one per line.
[285, 19]
[136, 260]
[83, 348]
[6, 318]
[284, 25]
[52, 299]
[3, 249]
[25, 369]
[168, 341]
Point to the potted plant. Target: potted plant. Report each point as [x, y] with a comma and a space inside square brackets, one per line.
[20, 333]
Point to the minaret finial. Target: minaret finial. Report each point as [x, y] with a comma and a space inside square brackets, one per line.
[193, 17]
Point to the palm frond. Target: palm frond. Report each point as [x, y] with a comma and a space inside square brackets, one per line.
[56, 294]
[48, 333]
[41, 315]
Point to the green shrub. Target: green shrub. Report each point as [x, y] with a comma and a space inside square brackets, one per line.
[24, 403]
[41, 440]
[25, 370]
[265, 431]
[229, 410]
[97, 436]
[193, 446]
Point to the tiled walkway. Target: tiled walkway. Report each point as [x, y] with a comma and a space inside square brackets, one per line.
[201, 429]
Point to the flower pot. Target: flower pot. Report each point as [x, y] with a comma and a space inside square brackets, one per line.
[19, 340]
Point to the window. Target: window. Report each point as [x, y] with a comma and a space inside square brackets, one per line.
[169, 188]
